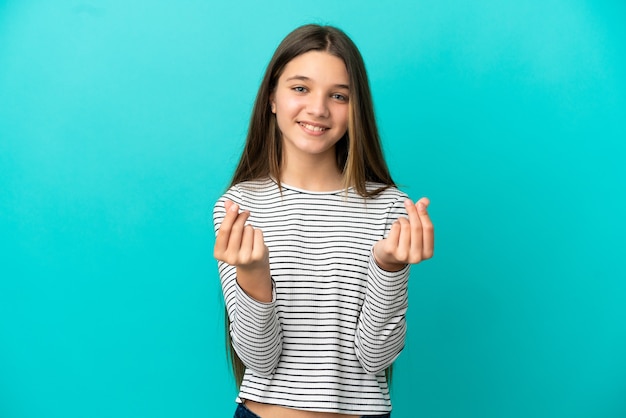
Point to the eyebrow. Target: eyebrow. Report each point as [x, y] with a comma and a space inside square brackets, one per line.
[305, 78]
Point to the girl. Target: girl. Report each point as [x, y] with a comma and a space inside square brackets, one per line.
[314, 241]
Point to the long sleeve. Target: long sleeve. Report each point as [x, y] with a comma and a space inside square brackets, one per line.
[254, 327]
[336, 320]
[381, 327]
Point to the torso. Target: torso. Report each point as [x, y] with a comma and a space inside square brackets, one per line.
[320, 253]
[274, 411]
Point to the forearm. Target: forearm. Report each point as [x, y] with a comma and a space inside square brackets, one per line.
[255, 332]
[381, 327]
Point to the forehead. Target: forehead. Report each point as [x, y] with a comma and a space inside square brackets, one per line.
[318, 66]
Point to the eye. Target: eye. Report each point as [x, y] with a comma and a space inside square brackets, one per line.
[340, 97]
[299, 89]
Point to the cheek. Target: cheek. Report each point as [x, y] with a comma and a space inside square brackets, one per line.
[287, 105]
[286, 112]
[342, 116]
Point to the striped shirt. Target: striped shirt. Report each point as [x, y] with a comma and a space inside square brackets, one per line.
[337, 320]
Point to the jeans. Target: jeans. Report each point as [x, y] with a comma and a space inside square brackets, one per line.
[243, 412]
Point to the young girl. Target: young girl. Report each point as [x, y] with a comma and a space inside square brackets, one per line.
[314, 241]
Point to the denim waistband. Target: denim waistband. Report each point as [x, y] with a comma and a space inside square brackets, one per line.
[243, 412]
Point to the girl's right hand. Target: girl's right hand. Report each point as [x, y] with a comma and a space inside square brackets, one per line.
[239, 244]
[242, 246]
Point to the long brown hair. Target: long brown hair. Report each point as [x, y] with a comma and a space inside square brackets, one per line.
[359, 152]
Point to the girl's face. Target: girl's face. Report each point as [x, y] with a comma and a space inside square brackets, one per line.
[311, 104]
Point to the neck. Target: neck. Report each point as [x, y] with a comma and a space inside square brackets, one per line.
[311, 174]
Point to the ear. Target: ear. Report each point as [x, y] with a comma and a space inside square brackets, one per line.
[272, 104]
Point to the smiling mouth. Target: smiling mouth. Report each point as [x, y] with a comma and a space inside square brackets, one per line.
[313, 128]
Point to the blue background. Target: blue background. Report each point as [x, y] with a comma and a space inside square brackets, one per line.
[121, 123]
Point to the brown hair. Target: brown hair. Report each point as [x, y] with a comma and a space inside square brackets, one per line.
[359, 152]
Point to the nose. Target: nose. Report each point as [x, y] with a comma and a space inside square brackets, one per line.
[318, 106]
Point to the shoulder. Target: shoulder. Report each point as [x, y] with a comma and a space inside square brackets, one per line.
[245, 191]
[389, 200]
[242, 194]
[262, 185]
[389, 193]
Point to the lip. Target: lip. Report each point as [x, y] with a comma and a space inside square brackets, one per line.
[313, 128]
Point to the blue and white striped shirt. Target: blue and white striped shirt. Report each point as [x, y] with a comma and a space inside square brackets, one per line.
[337, 320]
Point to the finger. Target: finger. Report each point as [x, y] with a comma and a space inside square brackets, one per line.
[425, 201]
[411, 211]
[259, 249]
[404, 241]
[247, 240]
[415, 249]
[232, 211]
[236, 232]
[223, 234]
[428, 230]
[384, 250]
[394, 235]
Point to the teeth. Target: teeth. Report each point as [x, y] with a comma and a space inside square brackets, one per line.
[312, 128]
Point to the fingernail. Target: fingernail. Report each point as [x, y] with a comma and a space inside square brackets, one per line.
[421, 207]
[407, 202]
[234, 208]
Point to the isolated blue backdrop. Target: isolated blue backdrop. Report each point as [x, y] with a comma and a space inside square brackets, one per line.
[121, 123]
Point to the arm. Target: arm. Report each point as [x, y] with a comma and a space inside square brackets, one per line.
[381, 328]
[249, 294]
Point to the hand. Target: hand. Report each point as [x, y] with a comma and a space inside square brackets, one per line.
[242, 246]
[239, 244]
[410, 241]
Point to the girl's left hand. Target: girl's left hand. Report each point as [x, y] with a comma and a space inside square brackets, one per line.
[409, 241]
